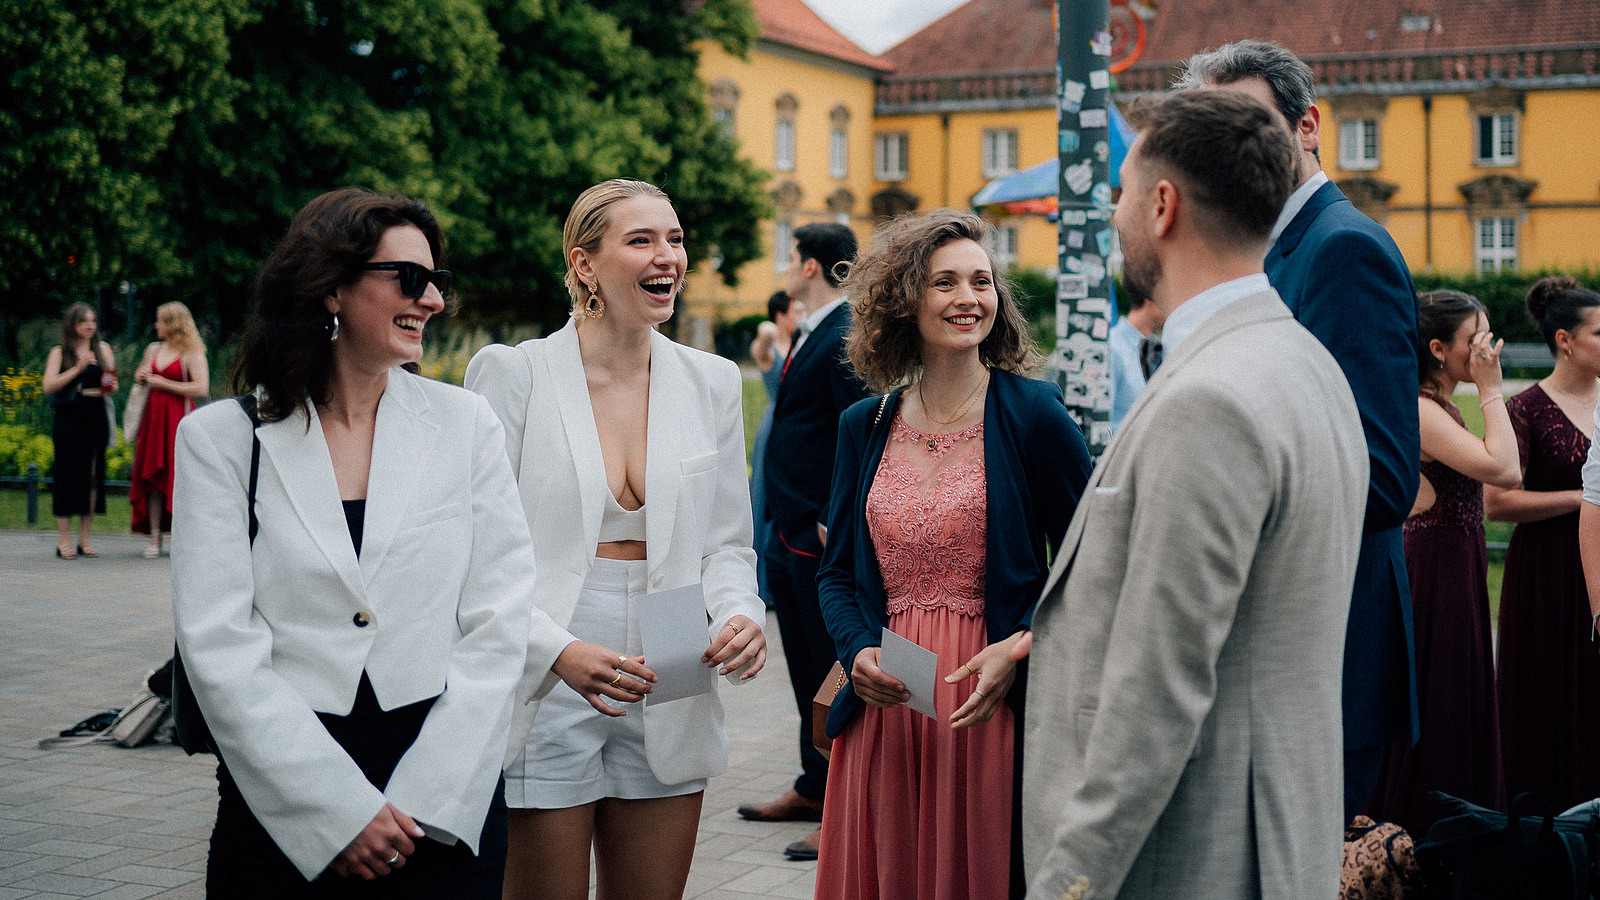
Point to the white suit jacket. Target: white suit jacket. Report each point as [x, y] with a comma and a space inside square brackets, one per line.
[1183, 733]
[269, 636]
[697, 501]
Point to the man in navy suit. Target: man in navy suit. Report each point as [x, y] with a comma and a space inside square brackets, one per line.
[817, 385]
[1346, 282]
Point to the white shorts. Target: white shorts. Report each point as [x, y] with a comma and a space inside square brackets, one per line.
[574, 754]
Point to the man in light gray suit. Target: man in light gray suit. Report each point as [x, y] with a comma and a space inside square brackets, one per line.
[1183, 725]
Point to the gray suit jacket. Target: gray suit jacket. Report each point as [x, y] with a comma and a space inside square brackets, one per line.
[1183, 731]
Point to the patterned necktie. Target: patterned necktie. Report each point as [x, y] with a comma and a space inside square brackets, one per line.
[1149, 355]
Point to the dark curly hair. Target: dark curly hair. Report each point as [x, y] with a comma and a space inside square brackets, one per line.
[285, 351]
[886, 285]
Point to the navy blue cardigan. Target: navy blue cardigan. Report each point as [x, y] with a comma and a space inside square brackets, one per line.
[1036, 465]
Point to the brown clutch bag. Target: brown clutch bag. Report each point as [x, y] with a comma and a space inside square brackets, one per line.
[821, 704]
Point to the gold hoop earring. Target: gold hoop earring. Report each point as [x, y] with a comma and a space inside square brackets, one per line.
[1569, 353]
[594, 307]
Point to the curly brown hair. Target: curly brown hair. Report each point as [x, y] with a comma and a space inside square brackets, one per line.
[886, 285]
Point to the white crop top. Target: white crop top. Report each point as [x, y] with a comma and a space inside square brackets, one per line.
[618, 524]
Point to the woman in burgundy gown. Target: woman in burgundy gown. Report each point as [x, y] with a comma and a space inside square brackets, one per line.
[175, 369]
[1549, 673]
[948, 493]
[1459, 748]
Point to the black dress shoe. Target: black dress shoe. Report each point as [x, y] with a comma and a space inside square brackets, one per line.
[789, 807]
[804, 850]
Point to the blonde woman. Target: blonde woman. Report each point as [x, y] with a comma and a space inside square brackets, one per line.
[175, 370]
[629, 456]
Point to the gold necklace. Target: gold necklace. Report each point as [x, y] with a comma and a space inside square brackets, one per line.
[971, 398]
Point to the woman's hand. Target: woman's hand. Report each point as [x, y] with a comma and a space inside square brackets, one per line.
[996, 669]
[381, 847]
[595, 671]
[1484, 363]
[738, 643]
[873, 685]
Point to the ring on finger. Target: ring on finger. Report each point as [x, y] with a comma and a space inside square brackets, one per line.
[393, 859]
[617, 679]
[980, 694]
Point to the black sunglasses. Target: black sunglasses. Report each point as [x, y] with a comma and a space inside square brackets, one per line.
[415, 277]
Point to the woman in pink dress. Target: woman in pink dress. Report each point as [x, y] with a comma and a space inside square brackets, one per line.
[948, 494]
[175, 369]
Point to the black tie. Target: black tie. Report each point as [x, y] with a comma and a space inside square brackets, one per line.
[1149, 355]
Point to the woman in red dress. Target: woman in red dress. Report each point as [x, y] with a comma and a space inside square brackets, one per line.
[175, 370]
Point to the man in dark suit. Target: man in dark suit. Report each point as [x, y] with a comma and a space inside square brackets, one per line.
[1346, 282]
[817, 385]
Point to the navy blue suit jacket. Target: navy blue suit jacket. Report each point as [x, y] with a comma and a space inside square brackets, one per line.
[1035, 464]
[1346, 282]
[816, 386]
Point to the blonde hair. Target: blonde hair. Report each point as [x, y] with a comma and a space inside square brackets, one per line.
[182, 335]
[588, 221]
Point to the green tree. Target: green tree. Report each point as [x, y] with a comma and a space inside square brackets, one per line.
[94, 94]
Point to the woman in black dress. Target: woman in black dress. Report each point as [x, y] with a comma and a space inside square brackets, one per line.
[1549, 673]
[78, 374]
[1459, 748]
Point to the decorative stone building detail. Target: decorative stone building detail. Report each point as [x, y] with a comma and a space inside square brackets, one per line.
[786, 105]
[839, 117]
[1503, 195]
[1358, 106]
[786, 198]
[841, 201]
[724, 93]
[1495, 100]
[1370, 195]
[892, 201]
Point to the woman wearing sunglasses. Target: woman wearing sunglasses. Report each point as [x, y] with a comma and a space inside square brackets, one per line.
[355, 638]
[629, 452]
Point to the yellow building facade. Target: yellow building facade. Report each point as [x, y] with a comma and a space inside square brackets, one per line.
[801, 107]
[1531, 202]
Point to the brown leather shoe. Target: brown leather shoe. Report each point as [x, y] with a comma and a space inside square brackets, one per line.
[806, 849]
[789, 807]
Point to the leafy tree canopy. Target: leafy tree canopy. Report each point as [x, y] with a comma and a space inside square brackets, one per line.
[167, 142]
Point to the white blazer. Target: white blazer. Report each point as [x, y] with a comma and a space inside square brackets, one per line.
[270, 636]
[697, 527]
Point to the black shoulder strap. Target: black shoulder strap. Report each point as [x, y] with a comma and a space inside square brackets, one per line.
[247, 402]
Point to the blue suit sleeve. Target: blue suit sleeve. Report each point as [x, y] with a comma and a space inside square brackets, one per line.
[1057, 465]
[836, 577]
[1361, 305]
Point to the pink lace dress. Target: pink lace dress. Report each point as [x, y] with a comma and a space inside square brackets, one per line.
[916, 810]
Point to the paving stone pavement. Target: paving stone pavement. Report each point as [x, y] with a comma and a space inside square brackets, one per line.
[79, 636]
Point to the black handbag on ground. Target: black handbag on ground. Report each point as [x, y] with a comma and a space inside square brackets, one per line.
[1528, 853]
[194, 736]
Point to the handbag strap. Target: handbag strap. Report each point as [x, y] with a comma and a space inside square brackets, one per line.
[247, 402]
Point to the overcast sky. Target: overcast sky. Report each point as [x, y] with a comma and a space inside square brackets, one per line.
[878, 25]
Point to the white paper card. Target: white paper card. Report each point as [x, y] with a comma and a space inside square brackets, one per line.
[672, 625]
[917, 668]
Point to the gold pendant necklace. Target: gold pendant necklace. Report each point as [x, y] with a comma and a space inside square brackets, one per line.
[971, 398]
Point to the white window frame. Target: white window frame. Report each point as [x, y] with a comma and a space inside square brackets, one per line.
[1502, 139]
[782, 243]
[725, 121]
[1001, 242]
[1358, 144]
[838, 153]
[783, 145]
[1495, 242]
[999, 152]
[891, 155]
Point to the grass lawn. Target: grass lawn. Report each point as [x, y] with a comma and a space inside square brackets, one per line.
[14, 513]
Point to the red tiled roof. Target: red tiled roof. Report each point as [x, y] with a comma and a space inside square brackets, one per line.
[982, 36]
[794, 24]
[1313, 28]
